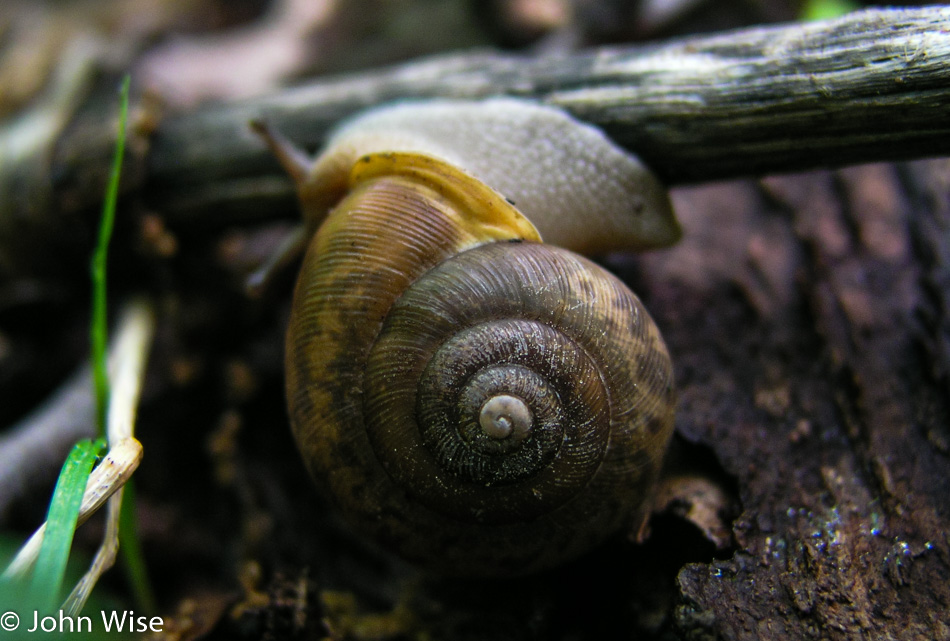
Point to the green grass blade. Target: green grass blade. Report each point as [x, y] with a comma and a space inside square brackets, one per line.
[61, 525]
[130, 547]
[132, 556]
[98, 328]
[827, 9]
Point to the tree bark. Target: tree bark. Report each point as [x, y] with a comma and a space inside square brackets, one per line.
[873, 85]
[808, 318]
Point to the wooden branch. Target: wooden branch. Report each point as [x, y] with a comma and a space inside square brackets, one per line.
[873, 85]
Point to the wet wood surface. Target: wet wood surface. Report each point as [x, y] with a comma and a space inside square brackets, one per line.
[808, 316]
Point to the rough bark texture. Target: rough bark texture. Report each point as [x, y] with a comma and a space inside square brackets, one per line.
[873, 85]
[808, 316]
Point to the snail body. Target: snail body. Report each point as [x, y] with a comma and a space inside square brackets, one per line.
[483, 403]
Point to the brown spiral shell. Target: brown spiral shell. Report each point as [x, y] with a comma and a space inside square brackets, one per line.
[479, 402]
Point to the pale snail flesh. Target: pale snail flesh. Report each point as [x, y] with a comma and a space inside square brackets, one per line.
[479, 402]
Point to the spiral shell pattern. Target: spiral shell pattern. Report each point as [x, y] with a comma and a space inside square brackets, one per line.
[480, 402]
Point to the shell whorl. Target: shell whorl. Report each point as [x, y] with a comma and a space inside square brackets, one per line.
[480, 402]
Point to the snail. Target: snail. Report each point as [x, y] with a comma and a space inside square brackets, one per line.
[477, 400]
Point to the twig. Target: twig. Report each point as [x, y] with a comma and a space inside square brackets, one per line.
[127, 364]
[873, 85]
[111, 473]
[128, 371]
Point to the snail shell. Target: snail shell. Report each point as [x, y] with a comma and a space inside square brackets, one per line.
[480, 402]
